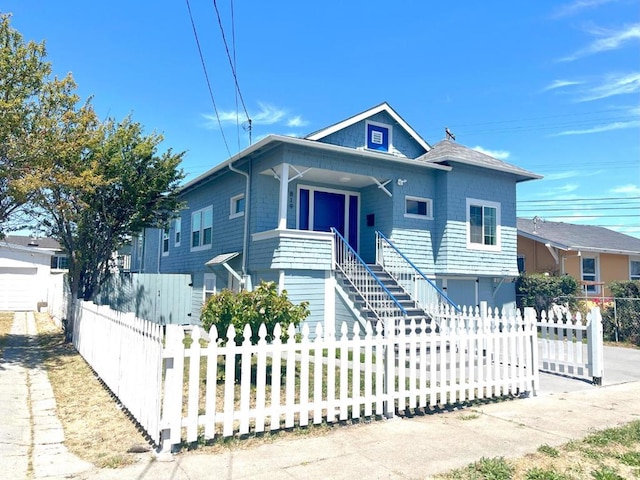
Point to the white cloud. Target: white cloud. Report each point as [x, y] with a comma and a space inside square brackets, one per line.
[600, 128]
[578, 5]
[611, 40]
[266, 115]
[560, 84]
[613, 84]
[297, 121]
[562, 175]
[567, 188]
[629, 189]
[499, 154]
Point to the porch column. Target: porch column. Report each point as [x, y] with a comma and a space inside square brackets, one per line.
[284, 188]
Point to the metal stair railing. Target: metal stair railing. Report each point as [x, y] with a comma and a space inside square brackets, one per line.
[420, 288]
[375, 296]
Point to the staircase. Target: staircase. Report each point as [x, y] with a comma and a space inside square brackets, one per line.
[373, 291]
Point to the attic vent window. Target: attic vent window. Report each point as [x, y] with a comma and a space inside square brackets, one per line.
[378, 137]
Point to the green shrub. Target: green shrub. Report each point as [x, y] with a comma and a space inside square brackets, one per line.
[625, 314]
[542, 291]
[262, 305]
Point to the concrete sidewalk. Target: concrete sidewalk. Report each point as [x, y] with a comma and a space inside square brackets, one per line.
[408, 448]
[405, 448]
[31, 436]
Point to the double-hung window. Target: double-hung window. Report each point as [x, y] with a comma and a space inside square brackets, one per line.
[165, 242]
[590, 274]
[634, 268]
[237, 205]
[483, 224]
[202, 229]
[177, 231]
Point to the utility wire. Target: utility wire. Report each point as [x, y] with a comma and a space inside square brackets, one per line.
[231, 63]
[206, 75]
[591, 199]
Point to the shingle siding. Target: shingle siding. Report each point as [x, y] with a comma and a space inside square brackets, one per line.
[452, 253]
[307, 286]
[354, 136]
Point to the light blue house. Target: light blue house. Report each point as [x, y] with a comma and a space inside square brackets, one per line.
[363, 219]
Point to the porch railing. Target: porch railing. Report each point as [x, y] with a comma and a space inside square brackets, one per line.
[378, 301]
[425, 293]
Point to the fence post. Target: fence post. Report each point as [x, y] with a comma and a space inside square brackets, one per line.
[172, 403]
[531, 322]
[595, 345]
[389, 368]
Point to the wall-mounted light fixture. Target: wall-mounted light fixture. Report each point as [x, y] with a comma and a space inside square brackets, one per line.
[401, 181]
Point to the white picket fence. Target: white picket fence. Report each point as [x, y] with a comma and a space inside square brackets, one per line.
[185, 388]
[213, 390]
[570, 346]
[126, 353]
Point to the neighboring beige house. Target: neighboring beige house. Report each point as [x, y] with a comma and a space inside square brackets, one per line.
[595, 256]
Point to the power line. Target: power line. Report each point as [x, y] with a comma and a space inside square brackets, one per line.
[206, 76]
[584, 199]
[231, 64]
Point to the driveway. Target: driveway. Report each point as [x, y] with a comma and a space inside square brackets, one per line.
[621, 365]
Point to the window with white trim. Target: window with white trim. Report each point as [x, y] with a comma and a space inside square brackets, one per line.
[208, 286]
[378, 136]
[177, 231]
[634, 268]
[202, 229]
[236, 207]
[483, 224]
[418, 207]
[165, 242]
[589, 274]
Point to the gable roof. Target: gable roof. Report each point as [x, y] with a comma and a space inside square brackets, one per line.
[446, 150]
[567, 236]
[383, 107]
[22, 248]
[272, 141]
[28, 241]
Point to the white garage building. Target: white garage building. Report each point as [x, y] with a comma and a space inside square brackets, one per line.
[24, 276]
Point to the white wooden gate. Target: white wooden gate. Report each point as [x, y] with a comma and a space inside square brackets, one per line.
[570, 346]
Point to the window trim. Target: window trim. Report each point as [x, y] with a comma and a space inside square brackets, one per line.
[204, 286]
[233, 203]
[596, 275]
[427, 201]
[177, 231]
[633, 259]
[201, 231]
[482, 246]
[165, 241]
[387, 127]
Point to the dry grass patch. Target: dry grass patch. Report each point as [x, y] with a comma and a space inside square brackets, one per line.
[610, 454]
[6, 321]
[95, 428]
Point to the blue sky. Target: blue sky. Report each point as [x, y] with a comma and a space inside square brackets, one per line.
[550, 86]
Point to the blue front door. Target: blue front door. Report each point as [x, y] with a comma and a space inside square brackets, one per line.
[319, 210]
[328, 211]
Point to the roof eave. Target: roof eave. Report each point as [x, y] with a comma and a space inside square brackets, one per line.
[279, 140]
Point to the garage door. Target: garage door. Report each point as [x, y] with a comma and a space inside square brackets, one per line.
[18, 288]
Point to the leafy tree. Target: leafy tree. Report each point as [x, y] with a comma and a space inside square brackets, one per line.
[105, 183]
[542, 291]
[90, 184]
[262, 305]
[23, 85]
